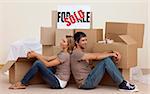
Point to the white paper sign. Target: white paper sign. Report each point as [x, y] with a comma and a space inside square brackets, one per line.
[74, 17]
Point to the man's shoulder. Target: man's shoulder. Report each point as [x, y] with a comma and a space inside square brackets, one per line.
[77, 51]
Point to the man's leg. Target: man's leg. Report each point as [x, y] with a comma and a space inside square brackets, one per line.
[113, 71]
[117, 76]
[94, 76]
[97, 73]
[47, 74]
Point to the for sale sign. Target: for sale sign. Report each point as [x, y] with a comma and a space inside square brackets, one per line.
[73, 17]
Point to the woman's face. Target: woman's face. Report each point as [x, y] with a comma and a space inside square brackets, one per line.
[64, 43]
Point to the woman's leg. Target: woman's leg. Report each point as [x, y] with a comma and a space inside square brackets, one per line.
[47, 74]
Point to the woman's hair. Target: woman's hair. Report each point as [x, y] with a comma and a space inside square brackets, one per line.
[70, 42]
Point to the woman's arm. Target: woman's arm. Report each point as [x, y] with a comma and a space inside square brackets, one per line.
[49, 58]
[51, 63]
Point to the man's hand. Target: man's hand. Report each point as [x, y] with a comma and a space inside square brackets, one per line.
[116, 56]
[32, 54]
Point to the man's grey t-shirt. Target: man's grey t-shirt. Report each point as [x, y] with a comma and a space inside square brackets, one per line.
[63, 69]
[80, 69]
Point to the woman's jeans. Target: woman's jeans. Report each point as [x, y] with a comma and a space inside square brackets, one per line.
[47, 75]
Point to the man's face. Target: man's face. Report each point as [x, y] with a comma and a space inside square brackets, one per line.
[82, 42]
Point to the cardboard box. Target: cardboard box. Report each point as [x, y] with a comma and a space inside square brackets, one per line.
[56, 50]
[136, 31]
[7, 66]
[47, 36]
[128, 51]
[114, 37]
[91, 23]
[18, 70]
[93, 36]
[61, 33]
[54, 19]
[48, 50]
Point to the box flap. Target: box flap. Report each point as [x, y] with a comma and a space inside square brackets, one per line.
[24, 59]
[127, 39]
[7, 66]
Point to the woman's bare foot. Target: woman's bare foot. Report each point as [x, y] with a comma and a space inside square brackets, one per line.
[17, 85]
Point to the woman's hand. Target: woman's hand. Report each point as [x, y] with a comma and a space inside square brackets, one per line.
[32, 54]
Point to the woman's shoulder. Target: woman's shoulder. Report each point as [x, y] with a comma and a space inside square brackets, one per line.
[64, 53]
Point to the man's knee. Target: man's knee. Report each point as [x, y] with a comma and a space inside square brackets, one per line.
[108, 60]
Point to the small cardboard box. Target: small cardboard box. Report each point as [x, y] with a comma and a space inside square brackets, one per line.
[136, 31]
[93, 36]
[61, 33]
[18, 70]
[47, 36]
[128, 51]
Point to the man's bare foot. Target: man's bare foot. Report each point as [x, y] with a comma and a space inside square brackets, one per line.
[17, 85]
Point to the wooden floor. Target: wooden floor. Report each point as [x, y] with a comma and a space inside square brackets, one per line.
[71, 89]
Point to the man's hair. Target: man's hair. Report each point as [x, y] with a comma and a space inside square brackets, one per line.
[78, 36]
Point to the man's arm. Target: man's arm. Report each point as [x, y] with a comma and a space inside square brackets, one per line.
[98, 56]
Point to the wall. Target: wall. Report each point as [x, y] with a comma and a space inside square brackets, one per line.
[148, 42]
[21, 19]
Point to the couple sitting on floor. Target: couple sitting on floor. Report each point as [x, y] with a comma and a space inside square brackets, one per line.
[72, 58]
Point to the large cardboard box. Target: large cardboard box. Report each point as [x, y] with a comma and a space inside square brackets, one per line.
[93, 36]
[127, 49]
[18, 70]
[91, 23]
[47, 36]
[61, 33]
[136, 31]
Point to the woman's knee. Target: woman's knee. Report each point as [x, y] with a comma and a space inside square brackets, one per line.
[37, 63]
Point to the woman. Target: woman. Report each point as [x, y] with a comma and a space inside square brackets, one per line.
[61, 62]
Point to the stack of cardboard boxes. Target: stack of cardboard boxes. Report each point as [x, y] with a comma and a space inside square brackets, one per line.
[128, 37]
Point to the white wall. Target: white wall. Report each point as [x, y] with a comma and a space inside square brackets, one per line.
[148, 42]
[22, 19]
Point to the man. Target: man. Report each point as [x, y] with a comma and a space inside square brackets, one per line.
[87, 78]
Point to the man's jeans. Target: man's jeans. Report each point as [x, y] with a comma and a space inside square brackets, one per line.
[47, 74]
[97, 73]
